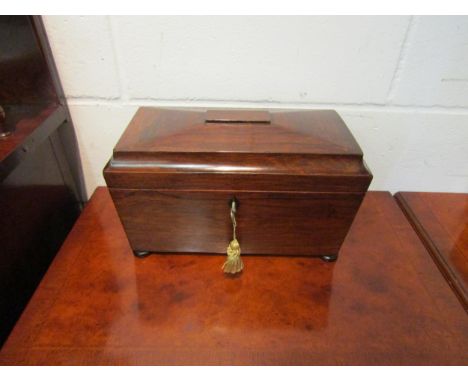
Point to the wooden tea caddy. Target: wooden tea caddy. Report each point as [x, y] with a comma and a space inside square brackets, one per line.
[294, 178]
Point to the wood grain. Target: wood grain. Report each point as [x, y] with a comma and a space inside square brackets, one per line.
[295, 151]
[441, 221]
[313, 224]
[154, 131]
[299, 176]
[383, 303]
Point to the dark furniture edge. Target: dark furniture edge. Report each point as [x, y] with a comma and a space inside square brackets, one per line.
[32, 141]
[438, 258]
[68, 137]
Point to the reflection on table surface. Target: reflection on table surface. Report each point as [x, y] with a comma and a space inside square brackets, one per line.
[383, 302]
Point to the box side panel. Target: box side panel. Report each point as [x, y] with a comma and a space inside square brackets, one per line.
[269, 223]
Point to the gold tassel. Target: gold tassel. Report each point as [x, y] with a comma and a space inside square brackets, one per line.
[234, 263]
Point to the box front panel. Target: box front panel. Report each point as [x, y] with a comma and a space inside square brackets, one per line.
[276, 223]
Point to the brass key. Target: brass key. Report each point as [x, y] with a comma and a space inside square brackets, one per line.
[234, 263]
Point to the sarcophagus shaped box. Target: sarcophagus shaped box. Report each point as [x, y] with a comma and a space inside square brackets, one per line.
[291, 181]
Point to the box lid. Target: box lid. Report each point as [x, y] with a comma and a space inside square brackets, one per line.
[248, 149]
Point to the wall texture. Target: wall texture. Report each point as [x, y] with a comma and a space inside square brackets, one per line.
[400, 83]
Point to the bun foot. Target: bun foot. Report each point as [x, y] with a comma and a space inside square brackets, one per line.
[141, 254]
[329, 258]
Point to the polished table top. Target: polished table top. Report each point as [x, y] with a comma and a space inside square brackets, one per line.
[383, 302]
[441, 221]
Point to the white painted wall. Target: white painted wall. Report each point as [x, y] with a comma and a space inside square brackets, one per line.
[400, 83]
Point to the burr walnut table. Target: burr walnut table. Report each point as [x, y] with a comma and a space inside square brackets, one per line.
[441, 221]
[383, 302]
